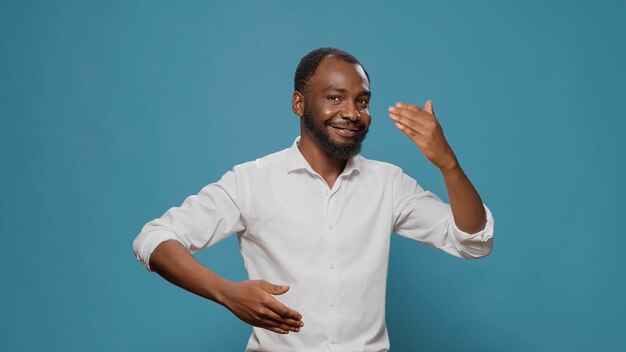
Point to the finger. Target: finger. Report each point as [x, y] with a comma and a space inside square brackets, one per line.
[274, 329]
[277, 330]
[274, 289]
[422, 113]
[275, 324]
[429, 106]
[293, 323]
[412, 134]
[408, 114]
[407, 118]
[283, 310]
[410, 107]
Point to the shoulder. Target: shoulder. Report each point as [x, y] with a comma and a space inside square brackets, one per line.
[377, 166]
[377, 172]
[242, 175]
[264, 163]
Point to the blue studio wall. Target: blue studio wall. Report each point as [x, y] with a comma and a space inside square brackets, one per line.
[115, 111]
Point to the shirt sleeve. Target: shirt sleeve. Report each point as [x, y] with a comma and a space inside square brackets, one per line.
[422, 216]
[201, 221]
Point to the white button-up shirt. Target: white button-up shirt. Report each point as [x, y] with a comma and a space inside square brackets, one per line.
[330, 245]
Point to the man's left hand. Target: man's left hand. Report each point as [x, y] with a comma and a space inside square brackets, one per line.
[421, 126]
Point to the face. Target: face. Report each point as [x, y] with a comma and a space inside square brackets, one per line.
[336, 107]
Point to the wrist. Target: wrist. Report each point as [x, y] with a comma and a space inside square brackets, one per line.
[451, 166]
[218, 291]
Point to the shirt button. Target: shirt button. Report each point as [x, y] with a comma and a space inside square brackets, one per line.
[332, 265]
[332, 303]
[330, 227]
[333, 341]
[326, 192]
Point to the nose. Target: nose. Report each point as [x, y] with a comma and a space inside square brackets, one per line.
[350, 111]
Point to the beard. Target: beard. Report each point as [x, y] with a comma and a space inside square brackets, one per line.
[337, 149]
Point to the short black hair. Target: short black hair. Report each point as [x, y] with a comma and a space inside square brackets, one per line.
[309, 63]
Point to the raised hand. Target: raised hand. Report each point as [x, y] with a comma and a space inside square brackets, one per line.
[253, 302]
[421, 126]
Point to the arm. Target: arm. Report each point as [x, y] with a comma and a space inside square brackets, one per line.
[422, 216]
[422, 127]
[250, 300]
[467, 207]
[174, 263]
[165, 245]
[471, 228]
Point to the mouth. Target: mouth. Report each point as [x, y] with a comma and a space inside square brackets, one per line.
[344, 132]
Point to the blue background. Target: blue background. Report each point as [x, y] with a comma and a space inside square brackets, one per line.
[113, 112]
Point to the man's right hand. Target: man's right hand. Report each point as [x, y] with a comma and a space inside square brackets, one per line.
[252, 302]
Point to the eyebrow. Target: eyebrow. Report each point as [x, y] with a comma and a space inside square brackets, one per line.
[343, 90]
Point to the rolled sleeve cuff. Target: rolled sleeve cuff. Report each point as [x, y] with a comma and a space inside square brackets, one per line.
[146, 243]
[475, 245]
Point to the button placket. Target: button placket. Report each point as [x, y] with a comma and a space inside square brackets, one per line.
[333, 273]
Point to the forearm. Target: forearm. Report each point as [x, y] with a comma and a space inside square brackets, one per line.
[467, 207]
[174, 263]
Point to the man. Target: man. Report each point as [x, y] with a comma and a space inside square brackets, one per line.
[314, 220]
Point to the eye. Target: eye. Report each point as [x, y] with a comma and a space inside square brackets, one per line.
[334, 98]
[363, 102]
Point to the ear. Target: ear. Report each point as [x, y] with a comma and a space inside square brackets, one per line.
[297, 103]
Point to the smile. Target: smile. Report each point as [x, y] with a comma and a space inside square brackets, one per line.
[344, 132]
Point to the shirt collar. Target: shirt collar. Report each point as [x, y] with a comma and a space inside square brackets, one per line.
[295, 160]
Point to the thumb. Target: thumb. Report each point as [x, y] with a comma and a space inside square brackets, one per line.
[276, 289]
[429, 107]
